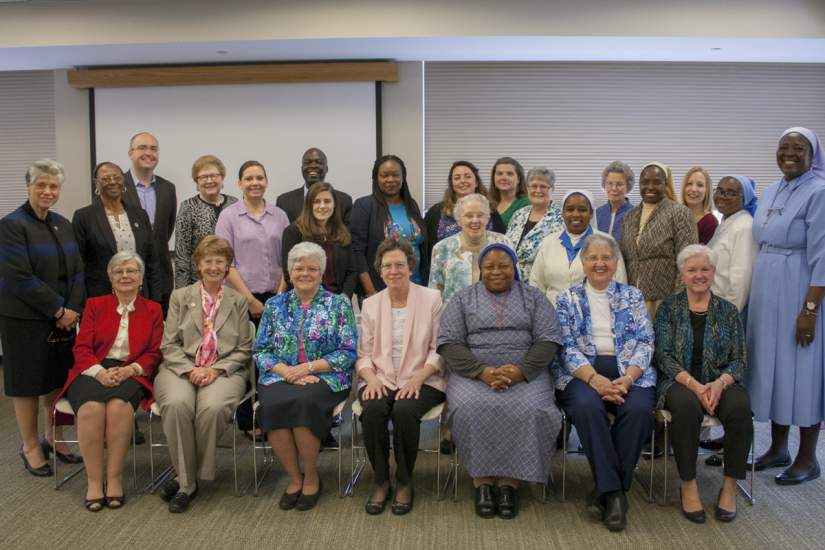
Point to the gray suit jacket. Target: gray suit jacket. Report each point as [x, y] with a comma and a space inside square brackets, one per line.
[184, 332]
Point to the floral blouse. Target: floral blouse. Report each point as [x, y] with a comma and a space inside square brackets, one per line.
[632, 333]
[401, 226]
[451, 268]
[327, 328]
[530, 244]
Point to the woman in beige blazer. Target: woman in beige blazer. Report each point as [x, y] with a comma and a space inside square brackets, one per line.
[206, 347]
[401, 374]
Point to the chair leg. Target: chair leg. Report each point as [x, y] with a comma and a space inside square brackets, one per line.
[748, 493]
[438, 459]
[564, 436]
[134, 453]
[650, 498]
[340, 451]
[665, 457]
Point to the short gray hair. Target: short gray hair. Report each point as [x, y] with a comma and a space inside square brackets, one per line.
[45, 167]
[542, 173]
[306, 250]
[464, 201]
[693, 250]
[622, 168]
[122, 257]
[601, 238]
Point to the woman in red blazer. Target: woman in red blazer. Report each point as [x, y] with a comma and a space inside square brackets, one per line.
[115, 352]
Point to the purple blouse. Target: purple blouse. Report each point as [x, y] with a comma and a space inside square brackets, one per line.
[257, 244]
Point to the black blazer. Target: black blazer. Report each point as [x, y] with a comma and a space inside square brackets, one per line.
[164, 226]
[30, 285]
[343, 261]
[292, 202]
[97, 246]
[434, 216]
[368, 232]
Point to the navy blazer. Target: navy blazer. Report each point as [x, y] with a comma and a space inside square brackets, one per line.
[97, 246]
[30, 285]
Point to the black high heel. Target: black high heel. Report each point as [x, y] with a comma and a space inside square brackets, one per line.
[695, 517]
[68, 458]
[43, 471]
[721, 514]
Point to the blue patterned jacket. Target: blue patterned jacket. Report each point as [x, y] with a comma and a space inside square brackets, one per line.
[328, 330]
[632, 331]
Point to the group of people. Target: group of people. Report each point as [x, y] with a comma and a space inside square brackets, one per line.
[508, 305]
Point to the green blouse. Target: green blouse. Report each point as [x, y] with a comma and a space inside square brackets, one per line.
[515, 205]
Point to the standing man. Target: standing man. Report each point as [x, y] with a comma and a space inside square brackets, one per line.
[314, 169]
[158, 198]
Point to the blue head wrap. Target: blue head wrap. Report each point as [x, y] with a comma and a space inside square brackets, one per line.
[748, 193]
[505, 248]
[818, 157]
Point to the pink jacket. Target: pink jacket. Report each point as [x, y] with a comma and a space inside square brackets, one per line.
[420, 334]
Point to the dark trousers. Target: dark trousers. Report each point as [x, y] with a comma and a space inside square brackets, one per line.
[612, 451]
[406, 422]
[733, 411]
[245, 409]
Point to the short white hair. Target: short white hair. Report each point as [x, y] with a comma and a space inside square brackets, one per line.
[693, 250]
[466, 200]
[45, 167]
[306, 250]
[121, 258]
[597, 239]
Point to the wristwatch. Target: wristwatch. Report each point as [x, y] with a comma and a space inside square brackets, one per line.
[810, 307]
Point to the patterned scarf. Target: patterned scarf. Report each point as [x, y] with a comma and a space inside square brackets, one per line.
[207, 353]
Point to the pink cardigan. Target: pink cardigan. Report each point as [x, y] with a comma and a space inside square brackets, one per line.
[375, 341]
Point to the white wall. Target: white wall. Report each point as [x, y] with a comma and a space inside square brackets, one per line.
[165, 21]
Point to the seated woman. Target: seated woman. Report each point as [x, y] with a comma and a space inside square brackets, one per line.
[558, 264]
[700, 355]
[116, 350]
[493, 337]
[320, 222]
[305, 350]
[400, 371]
[455, 259]
[206, 349]
[608, 347]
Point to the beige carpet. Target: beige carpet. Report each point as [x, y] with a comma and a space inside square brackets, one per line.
[35, 516]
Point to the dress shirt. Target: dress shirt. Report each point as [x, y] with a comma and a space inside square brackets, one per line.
[256, 242]
[735, 253]
[147, 195]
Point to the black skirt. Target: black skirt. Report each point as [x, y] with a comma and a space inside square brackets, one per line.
[86, 388]
[285, 406]
[32, 365]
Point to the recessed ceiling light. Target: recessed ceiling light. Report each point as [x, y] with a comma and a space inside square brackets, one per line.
[715, 49]
[222, 52]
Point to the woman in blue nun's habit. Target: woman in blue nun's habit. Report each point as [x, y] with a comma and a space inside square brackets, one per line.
[786, 344]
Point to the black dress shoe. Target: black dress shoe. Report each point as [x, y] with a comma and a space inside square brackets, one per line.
[140, 438]
[308, 502]
[615, 511]
[711, 444]
[375, 507]
[401, 508]
[721, 514]
[658, 452]
[594, 504]
[795, 479]
[714, 460]
[289, 500]
[764, 463]
[329, 441]
[180, 502]
[42, 471]
[446, 447]
[485, 504]
[169, 489]
[68, 458]
[507, 502]
[695, 517]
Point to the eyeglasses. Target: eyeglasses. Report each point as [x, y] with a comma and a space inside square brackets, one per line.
[726, 193]
[114, 178]
[125, 271]
[303, 270]
[203, 178]
[398, 266]
[538, 187]
[144, 148]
